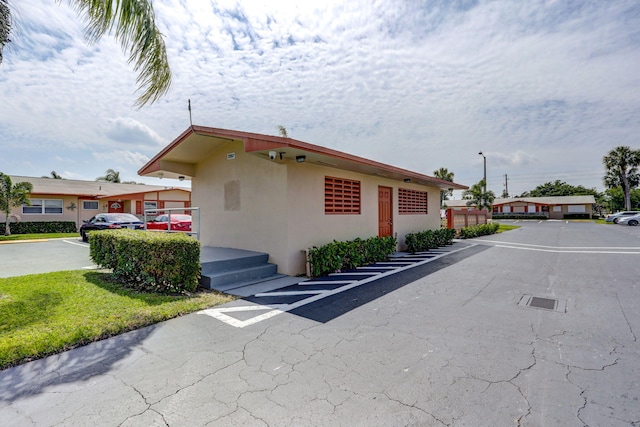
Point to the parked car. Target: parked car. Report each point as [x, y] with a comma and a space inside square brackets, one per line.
[179, 222]
[107, 221]
[615, 217]
[630, 220]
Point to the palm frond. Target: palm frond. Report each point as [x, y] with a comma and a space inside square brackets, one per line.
[133, 25]
[5, 25]
[282, 131]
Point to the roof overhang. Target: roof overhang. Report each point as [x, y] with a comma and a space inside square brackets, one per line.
[179, 159]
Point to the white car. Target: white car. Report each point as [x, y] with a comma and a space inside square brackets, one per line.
[630, 220]
[615, 217]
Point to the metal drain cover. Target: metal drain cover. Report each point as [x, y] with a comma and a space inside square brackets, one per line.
[537, 302]
[543, 303]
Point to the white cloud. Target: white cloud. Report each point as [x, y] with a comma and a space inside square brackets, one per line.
[131, 131]
[544, 88]
[124, 157]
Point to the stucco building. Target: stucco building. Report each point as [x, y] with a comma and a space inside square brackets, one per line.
[553, 207]
[282, 196]
[76, 200]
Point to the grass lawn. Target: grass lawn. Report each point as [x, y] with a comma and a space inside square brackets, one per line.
[38, 236]
[44, 314]
[505, 227]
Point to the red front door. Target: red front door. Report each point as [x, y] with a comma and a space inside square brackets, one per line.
[385, 224]
[116, 206]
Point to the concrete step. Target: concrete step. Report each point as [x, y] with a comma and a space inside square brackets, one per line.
[214, 260]
[266, 284]
[229, 279]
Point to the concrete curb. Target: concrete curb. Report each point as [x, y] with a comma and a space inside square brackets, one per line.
[6, 242]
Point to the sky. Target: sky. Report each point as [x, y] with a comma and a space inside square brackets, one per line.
[543, 88]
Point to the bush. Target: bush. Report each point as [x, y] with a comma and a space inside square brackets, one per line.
[577, 216]
[43, 227]
[148, 261]
[429, 239]
[340, 256]
[478, 230]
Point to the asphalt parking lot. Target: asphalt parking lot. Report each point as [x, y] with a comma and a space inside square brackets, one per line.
[18, 259]
[453, 342]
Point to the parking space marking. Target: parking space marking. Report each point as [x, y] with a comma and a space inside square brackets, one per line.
[628, 250]
[566, 251]
[86, 245]
[223, 313]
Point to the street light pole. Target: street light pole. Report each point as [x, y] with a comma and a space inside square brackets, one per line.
[485, 171]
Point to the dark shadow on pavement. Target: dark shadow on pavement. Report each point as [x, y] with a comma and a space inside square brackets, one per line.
[336, 305]
[79, 364]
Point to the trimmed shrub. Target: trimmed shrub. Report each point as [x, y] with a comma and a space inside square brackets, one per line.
[340, 256]
[148, 261]
[577, 216]
[478, 230]
[429, 239]
[43, 227]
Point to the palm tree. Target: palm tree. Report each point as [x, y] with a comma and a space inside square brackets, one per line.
[478, 197]
[621, 165]
[110, 176]
[54, 175]
[12, 195]
[443, 173]
[282, 131]
[133, 24]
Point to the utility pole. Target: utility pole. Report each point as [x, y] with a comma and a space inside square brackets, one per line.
[485, 171]
[506, 185]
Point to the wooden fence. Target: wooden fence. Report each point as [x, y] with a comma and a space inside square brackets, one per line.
[465, 218]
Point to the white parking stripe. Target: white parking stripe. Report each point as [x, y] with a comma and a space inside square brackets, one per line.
[290, 293]
[566, 251]
[560, 247]
[275, 309]
[326, 282]
[76, 243]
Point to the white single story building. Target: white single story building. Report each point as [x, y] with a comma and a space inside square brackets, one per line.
[282, 196]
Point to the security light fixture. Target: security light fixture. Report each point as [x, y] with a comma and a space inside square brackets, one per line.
[301, 159]
[407, 180]
[181, 178]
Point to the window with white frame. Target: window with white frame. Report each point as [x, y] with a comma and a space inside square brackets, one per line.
[150, 205]
[43, 207]
[90, 205]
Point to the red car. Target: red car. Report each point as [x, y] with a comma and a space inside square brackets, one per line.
[179, 222]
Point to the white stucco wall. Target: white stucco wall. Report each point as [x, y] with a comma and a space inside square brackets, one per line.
[258, 222]
[67, 214]
[309, 226]
[281, 207]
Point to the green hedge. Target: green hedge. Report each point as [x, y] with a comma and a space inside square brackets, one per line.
[429, 239]
[339, 256]
[148, 261]
[577, 216]
[43, 227]
[478, 230]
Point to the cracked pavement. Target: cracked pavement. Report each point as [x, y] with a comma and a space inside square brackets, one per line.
[450, 347]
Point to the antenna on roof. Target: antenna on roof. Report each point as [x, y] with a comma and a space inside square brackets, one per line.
[189, 108]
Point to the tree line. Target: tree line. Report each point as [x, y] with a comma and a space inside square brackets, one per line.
[621, 179]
